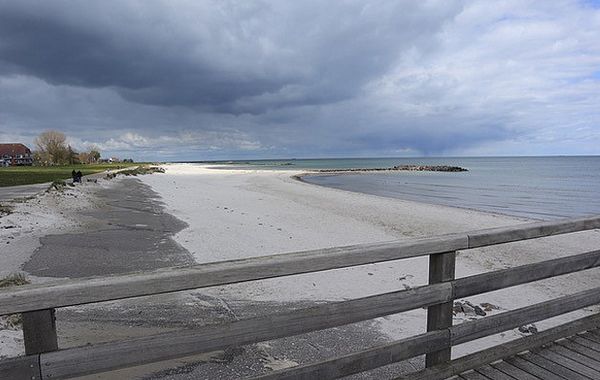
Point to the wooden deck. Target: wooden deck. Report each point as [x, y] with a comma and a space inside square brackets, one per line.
[573, 358]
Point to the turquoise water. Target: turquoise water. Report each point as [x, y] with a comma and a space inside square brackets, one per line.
[535, 187]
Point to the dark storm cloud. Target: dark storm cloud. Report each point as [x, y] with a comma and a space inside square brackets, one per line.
[225, 57]
[201, 79]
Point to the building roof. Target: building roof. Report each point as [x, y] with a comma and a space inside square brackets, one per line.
[13, 149]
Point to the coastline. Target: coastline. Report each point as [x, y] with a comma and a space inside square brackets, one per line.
[232, 214]
[229, 213]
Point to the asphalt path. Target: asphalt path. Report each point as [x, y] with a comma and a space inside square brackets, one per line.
[13, 192]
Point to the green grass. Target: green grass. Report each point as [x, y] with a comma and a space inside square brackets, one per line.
[26, 175]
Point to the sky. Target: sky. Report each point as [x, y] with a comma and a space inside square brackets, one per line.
[207, 80]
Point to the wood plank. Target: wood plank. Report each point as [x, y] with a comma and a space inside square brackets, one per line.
[576, 356]
[507, 349]
[569, 363]
[487, 282]
[89, 290]
[592, 345]
[531, 368]
[364, 360]
[472, 330]
[531, 231]
[107, 356]
[583, 350]
[39, 331]
[20, 368]
[441, 268]
[558, 369]
[589, 336]
[513, 371]
[595, 333]
[493, 373]
[473, 376]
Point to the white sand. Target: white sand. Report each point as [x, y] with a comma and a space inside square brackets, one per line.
[245, 213]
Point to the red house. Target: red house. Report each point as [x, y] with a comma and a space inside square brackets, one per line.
[15, 154]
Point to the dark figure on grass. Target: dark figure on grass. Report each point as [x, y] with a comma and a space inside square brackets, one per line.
[76, 176]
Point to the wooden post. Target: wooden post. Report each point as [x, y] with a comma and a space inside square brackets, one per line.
[441, 268]
[39, 331]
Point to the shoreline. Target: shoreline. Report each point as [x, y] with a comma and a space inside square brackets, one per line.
[279, 190]
[299, 178]
[246, 213]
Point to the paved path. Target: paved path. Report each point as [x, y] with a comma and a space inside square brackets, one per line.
[12, 192]
[574, 358]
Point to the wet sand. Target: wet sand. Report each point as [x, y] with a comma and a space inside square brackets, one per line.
[129, 232]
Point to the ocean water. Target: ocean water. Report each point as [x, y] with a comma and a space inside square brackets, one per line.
[542, 188]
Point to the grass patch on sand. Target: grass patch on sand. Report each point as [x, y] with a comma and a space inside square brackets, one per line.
[14, 279]
[140, 170]
[27, 175]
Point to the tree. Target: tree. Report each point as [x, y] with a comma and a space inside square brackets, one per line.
[94, 154]
[72, 156]
[52, 148]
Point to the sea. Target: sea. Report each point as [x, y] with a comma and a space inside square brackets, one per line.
[543, 188]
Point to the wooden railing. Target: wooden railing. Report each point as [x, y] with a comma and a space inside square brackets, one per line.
[44, 360]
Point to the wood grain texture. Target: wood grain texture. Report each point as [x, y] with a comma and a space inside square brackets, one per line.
[20, 368]
[102, 357]
[492, 354]
[567, 362]
[534, 369]
[566, 373]
[39, 331]
[530, 231]
[487, 282]
[442, 267]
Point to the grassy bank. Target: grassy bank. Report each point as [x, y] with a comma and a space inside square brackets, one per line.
[26, 175]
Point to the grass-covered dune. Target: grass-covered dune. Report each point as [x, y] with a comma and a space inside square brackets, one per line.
[26, 175]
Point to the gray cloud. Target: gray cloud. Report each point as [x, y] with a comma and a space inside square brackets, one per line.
[226, 79]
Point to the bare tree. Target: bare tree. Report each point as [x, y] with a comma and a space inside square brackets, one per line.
[94, 154]
[52, 146]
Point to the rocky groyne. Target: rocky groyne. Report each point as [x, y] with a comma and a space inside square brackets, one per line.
[418, 168]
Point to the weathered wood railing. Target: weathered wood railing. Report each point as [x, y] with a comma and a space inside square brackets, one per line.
[44, 360]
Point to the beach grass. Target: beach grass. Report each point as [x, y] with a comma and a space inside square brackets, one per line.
[27, 175]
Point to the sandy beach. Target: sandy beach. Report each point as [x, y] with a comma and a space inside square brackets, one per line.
[244, 213]
[224, 214]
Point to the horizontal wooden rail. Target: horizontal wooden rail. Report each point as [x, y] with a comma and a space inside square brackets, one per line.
[364, 360]
[107, 356]
[102, 357]
[500, 279]
[99, 289]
